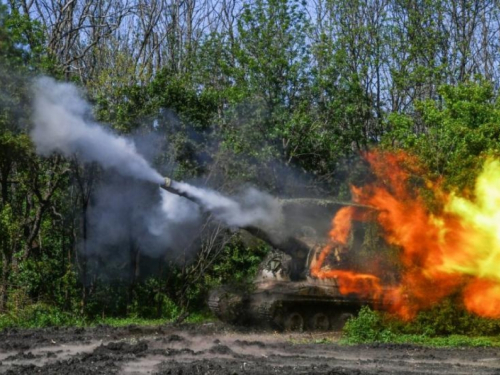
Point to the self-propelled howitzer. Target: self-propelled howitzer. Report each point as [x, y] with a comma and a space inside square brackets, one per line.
[285, 295]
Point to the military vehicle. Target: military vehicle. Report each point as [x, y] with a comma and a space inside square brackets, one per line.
[284, 294]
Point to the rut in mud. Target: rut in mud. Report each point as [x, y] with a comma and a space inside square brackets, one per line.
[217, 349]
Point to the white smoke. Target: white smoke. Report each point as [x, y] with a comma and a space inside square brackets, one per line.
[252, 207]
[173, 209]
[62, 124]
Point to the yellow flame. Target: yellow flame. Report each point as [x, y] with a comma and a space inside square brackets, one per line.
[478, 251]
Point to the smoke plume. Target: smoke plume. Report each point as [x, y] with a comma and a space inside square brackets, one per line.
[126, 213]
[252, 207]
[62, 124]
[122, 211]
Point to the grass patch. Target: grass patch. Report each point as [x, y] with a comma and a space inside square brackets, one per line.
[200, 318]
[195, 318]
[373, 327]
[42, 316]
[124, 322]
[66, 320]
[451, 341]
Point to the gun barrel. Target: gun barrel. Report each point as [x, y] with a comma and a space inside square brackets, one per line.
[169, 185]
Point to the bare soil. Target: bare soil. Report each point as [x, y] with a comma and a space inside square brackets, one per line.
[217, 349]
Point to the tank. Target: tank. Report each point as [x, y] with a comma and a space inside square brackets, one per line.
[284, 295]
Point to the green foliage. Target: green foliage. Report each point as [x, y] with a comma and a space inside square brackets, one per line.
[124, 322]
[150, 302]
[449, 318]
[443, 325]
[457, 132]
[200, 317]
[40, 315]
[22, 41]
[447, 341]
[367, 327]
[238, 263]
[8, 227]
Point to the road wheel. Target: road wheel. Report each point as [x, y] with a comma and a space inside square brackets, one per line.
[294, 322]
[319, 322]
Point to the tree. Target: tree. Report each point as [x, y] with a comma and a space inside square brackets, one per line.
[459, 133]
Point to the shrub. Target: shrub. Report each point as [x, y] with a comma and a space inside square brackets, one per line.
[444, 325]
[367, 327]
[39, 315]
[449, 318]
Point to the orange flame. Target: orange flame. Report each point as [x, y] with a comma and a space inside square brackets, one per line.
[341, 225]
[363, 285]
[441, 251]
[482, 297]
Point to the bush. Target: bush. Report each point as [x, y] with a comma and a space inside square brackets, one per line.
[444, 325]
[448, 318]
[39, 315]
[150, 302]
[367, 327]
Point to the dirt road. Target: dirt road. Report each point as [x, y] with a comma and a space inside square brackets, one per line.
[217, 349]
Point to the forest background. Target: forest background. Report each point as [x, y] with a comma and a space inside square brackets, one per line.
[278, 94]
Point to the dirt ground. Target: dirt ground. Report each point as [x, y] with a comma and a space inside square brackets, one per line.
[218, 349]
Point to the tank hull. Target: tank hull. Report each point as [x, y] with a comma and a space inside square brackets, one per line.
[287, 305]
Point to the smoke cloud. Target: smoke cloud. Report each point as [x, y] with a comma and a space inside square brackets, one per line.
[252, 207]
[62, 124]
[127, 211]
